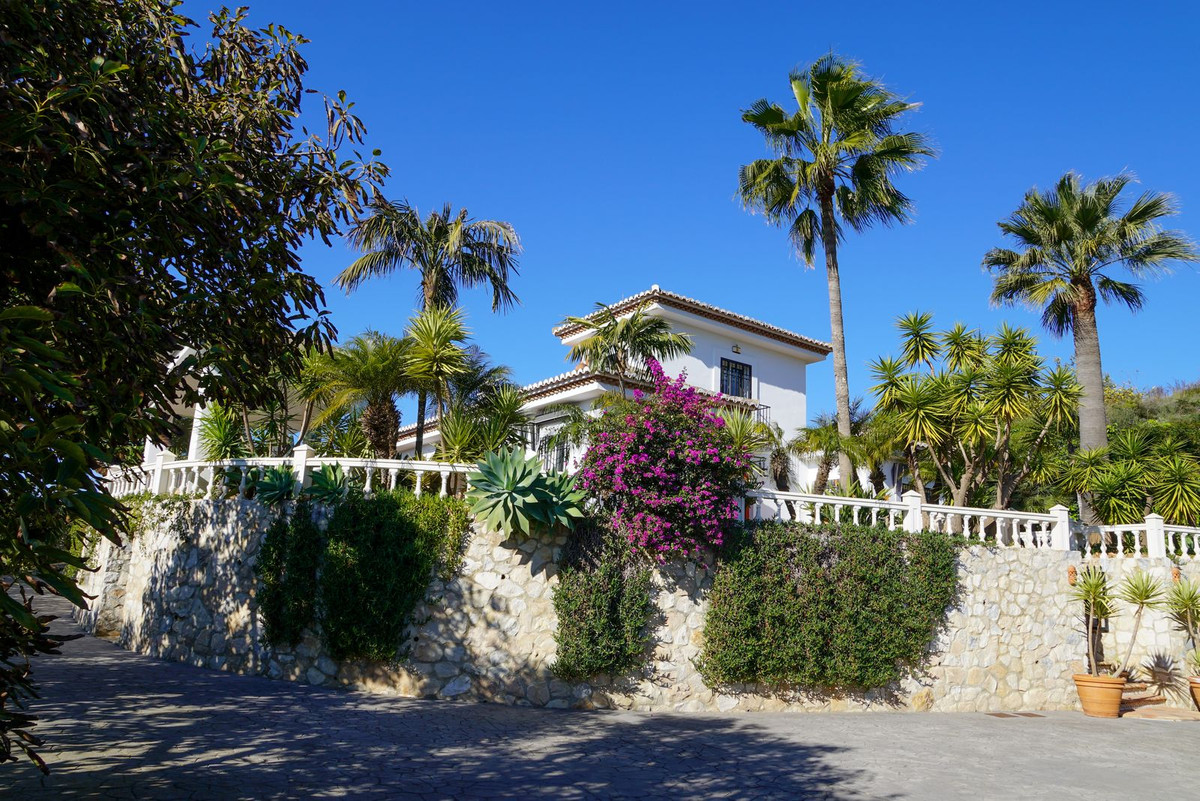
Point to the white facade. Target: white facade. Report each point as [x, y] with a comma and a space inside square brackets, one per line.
[774, 359]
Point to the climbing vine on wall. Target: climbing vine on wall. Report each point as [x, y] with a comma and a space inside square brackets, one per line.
[826, 607]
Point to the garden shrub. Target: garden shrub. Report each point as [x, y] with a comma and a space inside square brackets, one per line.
[665, 469]
[287, 572]
[380, 555]
[603, 605]
[846, 607]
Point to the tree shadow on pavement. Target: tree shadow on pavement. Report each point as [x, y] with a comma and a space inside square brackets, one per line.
[121, 725]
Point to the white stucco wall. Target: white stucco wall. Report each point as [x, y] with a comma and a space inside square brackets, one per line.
[777, 370]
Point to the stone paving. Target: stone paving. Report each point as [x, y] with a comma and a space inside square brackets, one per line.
[119, 725]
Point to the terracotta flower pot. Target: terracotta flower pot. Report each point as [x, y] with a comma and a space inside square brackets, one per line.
[1100, 695]
[1194, 683]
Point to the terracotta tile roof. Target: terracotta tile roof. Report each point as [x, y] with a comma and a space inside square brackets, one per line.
[673, 300]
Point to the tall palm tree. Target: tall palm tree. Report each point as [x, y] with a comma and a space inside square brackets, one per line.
[834, 160]
[1069, 241]
[449, 249]
[436, 353]
[368, 373]
[621, 345]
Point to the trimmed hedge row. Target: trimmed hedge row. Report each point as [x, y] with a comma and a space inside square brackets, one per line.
[841, 607]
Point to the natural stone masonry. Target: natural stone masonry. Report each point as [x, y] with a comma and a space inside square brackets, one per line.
[184, 590]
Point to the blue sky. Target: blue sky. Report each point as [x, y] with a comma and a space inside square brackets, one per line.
[609, 134]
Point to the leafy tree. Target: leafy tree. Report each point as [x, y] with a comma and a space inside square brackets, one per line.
[980, 409]
[366, 375]
[1070, 240]
[448, 249]
[834, 160]
[622, 345]
[154, 193]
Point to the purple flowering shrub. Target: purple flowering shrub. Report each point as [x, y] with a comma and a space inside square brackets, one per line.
[665, 470]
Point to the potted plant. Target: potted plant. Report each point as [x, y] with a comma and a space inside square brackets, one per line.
[1183, 603]
[1099, 695]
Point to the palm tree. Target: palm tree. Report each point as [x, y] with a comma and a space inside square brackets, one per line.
[834, 161]
[450, 251]
[368, 373]
[1070, 239]
[436, 354]
[822, 439]
[622, 345]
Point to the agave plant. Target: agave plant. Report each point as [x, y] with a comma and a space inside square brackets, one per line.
[509, 494]
[278, 484]
[328, 485]
[566, 500]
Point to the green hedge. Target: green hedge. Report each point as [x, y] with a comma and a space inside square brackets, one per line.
[287, 573]
[826, 607]
[603, 606]
[361, 578]
[380, 555]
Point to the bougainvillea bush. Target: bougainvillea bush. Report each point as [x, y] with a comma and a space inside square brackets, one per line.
[663, 467]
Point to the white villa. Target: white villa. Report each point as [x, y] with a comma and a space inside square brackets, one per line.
[741, 359]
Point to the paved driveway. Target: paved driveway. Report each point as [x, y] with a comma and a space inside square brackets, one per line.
[121, 725]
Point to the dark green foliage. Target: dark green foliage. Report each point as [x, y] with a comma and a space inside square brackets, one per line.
[287, 574]
[380, 554]
[155, 189]
[603, 605]
[847, 608]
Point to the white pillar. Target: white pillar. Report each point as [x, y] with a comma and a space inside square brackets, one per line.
[1156, 537]
[198, 414]
[158, 479]
[913, 521]
[300, 455]
[1060, 529]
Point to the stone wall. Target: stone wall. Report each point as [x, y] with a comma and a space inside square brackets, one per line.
[184, 590]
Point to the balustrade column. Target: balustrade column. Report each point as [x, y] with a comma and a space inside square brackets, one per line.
[1156, 537]
[159, 479]
[913, 521]
[300, 456]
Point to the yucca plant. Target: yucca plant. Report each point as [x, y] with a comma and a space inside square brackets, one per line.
[1193, 661]
[1141, 591]
[277, 485]
[1183, 604]
[1093, 591]
[328, 485]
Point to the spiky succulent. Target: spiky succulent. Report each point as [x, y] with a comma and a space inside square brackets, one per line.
[328, 485]
[277, 485]
[509, 494]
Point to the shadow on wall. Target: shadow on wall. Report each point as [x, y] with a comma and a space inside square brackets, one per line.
[177, 729]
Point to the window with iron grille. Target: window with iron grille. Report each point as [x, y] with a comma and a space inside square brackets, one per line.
[735, 379]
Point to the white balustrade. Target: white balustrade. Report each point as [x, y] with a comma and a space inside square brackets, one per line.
[1053, 530]
[168, 476]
